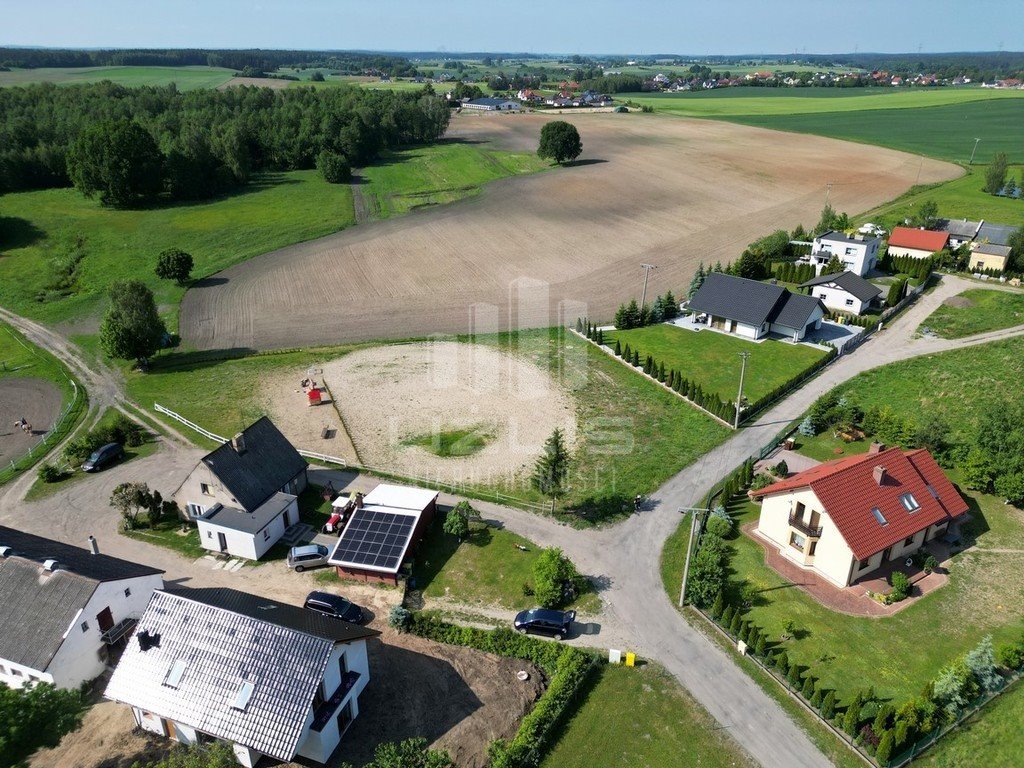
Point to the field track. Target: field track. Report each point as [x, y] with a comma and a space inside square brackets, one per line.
[648, 188]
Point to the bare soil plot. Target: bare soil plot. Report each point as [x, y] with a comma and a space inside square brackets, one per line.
[259, 82]
[648, 188]
[37, 401]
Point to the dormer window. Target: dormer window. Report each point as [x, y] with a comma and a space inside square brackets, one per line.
[245, 691]
[879, 516]
[909, 502]
[174, 675]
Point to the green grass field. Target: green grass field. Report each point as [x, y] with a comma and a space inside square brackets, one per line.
[186, 78]
[712, 359]
[641, 717]
[452, 442]
[989, 310]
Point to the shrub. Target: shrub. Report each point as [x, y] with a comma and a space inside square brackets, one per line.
[399, 618]
[851, 718]
[981, 662]
[930, 563]
[552, 573]
[782, 663]
[718, 526]
[50, 473]
[781, 469]
[761, 481]
[174, 264]
[1010, 655]
[334, 167]
[718, 606]
[885, 746]
[456, 524]
[762, 645]
[727, 616]
[817, 697]
[794, 676]
[883, 718]
[527, 589]
[900, 586]
[808, 688]
[735, 624]
[744, 632]
[828, 706]
[869, 738]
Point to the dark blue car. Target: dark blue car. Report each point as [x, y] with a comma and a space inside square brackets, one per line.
[544, 621]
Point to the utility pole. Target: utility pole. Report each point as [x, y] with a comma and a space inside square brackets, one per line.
[739, 397]
[689, 548]
[647, 273]
[828, 192]
[971, 162]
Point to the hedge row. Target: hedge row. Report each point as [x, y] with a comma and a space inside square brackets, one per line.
[567, 669]
[782, 389]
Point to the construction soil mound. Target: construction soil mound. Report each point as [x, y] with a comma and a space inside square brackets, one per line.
[392, 395]
[37, 401]
[542, 249]
[958, 302]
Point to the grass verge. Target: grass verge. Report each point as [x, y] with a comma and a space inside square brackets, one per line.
[987, 310]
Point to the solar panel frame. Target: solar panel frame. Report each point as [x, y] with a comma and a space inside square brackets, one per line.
[375, 539]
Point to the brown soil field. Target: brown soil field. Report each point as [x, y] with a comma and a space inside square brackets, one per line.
[543, 249]
[259, 82]
[38, 402]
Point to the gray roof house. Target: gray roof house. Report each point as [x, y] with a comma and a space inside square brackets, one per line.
[492, 104]
[269, 678]
[64, 608]
[844, 291]
[996, 234]
[754, 309]
[960, 230]
[243, 495]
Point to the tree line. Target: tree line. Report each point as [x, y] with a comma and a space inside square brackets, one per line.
[130, 144]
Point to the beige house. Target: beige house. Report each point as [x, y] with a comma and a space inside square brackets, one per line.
[845, 519]
[917, 243]
[989, 256]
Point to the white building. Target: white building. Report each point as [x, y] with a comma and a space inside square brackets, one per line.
[844, 292]
[859, 254]
[269, 678]
[64, 608]
[492, 105]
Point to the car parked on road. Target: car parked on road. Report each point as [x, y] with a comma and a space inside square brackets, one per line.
[335, 606]
[544, 621]
[103, 457]
[308, 556]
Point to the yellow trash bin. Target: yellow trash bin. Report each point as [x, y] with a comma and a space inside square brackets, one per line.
[630, 659]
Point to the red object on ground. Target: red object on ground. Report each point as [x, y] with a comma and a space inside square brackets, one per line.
[314, 396]
[332, 522]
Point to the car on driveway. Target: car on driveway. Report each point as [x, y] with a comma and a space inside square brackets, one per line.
[103, 457]
[335, 606]
[308, 556]
[544, 621]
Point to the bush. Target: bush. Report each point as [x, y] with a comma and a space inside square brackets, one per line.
[717, 607]
[456, 524]
[727, 616]
[782, 663]
[885, 745]
[1010, 655]
[333, 167]
[35, 716]
[399, 618]
[781, 469]
[50, 473]
[851, 718]
[900, 586]
[553, 576]
[718, 526]
[174, 264]
[828, 705]
[120, 430]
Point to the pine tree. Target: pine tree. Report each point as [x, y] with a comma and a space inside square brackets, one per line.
[661, 372]
[697, 281]
[794, 676]
[782, 663]
[645, 316]
[618, 349]
[636, 359]
[579, 325]
[807, 691]
[552, 466]
[762, 645]
[621, 317]
[745, 631]
[671, 380]
[670, 307]
[600, 337]
[718, 606]
[632, 314]
[828, 706]
[627, 354]
[884, 753]
[851, 718]
[736, 623]
[727, 616]
[816, 699]
[649, 365]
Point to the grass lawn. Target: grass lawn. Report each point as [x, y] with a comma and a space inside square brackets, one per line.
[185, 78]
[170, 535]
[413, 178]
[712, 359]
[989, 311]
[641, 716]
[452, 442]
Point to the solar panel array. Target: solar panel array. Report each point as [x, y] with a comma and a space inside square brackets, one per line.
[375, 539]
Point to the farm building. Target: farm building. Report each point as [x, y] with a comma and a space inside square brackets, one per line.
[988, 256]
[960, 231]
[849, 517]
[858, 253]
[917, 243]
[64, 608]
[270, 679]
[243, 495]
[996, 234]
[490, 104]
[753, 309]
[845, 292]
[383, 529]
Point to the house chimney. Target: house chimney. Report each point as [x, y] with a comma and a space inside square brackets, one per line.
[359, 501]
[6, 551]
[879, 474]
[93, 546]
[238, 443]
[876, 447]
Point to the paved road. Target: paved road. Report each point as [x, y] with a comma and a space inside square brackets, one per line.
[624, 558]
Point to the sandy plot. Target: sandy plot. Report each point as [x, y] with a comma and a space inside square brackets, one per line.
[536, 250]
[37, 401]
[393, 394]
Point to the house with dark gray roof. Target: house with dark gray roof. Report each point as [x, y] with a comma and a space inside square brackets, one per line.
[244, 495]
[858, 253]
[988, 256]
[996, 234]
[269, 678]
[754, 309]
[492, 104]
[844, 292]
[64, 608]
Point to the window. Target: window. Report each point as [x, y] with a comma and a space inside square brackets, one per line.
[909, 502]
[879, 516]
[243, 696]
[908, 541]
[205, 489]
[85, 626]
[799, 511]
[797, 541]
[127, 591]
[266, 534]
[862, 564]
[849, 302]
[814, 546]
[175, 673]
[17, 672]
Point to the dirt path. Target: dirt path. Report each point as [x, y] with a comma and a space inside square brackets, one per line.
[359, 204]
[541, 250]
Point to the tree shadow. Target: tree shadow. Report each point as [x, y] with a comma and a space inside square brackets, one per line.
[976, 526]
[585, 161]
[16, 232]
[176, 362]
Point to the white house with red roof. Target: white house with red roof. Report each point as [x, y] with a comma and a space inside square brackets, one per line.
[846, 518]
[919, 243]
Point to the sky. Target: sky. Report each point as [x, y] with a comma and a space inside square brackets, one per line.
[637, 27]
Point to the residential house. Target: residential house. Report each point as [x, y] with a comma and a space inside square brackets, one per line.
[960, 231]
[917, 243]
[384, 528]
[844, 292]
[64, 608]
[490, 104]
[859, 253]
[270, 679]
[244, 495]
[753, 309]
[846, 518]
[986, 256]
[996, 234]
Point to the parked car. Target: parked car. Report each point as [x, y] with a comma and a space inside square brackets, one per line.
[103, 457]
[335, 606]
[308, 556]
[543, 621]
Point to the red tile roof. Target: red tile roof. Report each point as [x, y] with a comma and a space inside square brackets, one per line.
[919, 239]
[848, 491]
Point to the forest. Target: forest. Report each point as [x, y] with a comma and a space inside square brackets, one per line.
[151, 141]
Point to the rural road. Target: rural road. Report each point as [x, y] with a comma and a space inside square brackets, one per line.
[625, 557]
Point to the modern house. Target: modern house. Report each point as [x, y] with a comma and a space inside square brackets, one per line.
[269, 678]
[490, 104]
[243, 496]
[858, 253]
[846, 518]
[844, 292]
[989, 256]
[385, 526]
[917, 243]
[753, 309]
[64, 608]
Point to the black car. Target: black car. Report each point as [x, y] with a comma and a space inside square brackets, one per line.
[335, 606]
[101, 457]
[543, 621]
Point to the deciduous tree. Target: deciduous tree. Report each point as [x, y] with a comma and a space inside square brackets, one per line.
[559, 141]
[119, 161]
[174, 264]
[131, 328]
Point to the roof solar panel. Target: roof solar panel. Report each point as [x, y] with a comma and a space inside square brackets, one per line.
[375, 539]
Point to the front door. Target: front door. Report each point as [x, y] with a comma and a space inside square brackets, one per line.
[105, 619]
[222, 540]
[887, 554]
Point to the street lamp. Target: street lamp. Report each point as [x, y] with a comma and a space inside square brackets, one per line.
[689, 548]
[739, 396]
[647, 273]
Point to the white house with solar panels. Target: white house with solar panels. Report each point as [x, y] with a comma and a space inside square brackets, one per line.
[382, 531]
[270, 679]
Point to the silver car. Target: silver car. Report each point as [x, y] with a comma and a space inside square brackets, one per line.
[308, 556]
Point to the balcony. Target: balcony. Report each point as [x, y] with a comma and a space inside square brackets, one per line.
[814, 531]
[325, 711]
